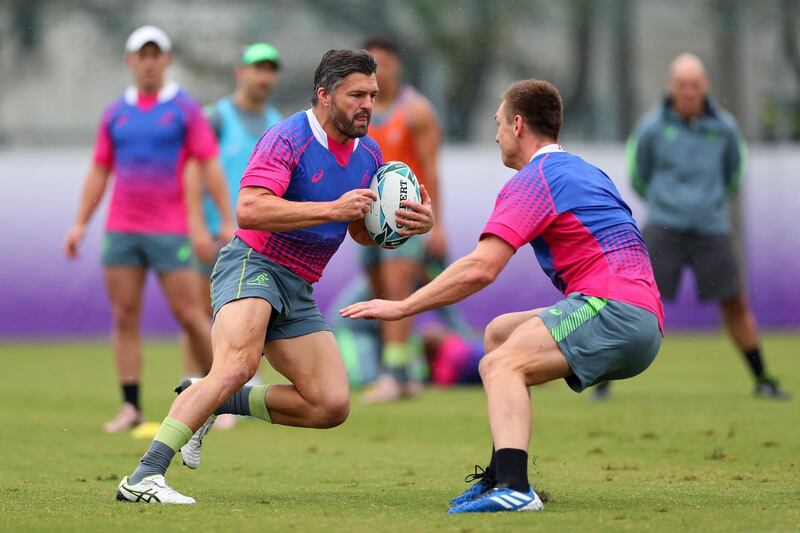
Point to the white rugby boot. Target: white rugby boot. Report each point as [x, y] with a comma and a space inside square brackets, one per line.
[152, 489]
[190, 452]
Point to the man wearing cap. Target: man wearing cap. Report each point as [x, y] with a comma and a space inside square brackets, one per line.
[239, 121]
[145, 138]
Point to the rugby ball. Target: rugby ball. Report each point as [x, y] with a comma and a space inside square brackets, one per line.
[392, 183]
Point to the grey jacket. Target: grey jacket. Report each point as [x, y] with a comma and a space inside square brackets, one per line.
[687, 171]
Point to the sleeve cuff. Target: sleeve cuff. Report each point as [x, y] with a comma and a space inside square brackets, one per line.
[206, 154]
[504, 232]
[103, 161]
[277, 187]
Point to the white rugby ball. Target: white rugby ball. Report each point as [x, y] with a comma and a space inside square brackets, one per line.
[392, 183]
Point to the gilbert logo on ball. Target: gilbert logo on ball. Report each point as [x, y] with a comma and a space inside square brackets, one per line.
[393, 183]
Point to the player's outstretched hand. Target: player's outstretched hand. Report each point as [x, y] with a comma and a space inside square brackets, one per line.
[415, 218]
[353, 205]
[382, 309]
[73, 240]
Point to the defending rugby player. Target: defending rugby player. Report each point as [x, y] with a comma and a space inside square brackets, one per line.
[584, 237]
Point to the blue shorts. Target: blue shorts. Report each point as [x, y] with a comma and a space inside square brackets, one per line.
[602, 339]
[241, 272]
[159, 251]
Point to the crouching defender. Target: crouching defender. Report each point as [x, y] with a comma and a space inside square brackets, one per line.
[303, 190]
[608, 326]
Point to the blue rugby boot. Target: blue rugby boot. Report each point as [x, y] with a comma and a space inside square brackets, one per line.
[501, 499]
[484, 483]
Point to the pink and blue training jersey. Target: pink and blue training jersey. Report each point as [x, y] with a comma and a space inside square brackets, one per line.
[299, 162]
[146, 141]
[581, 230]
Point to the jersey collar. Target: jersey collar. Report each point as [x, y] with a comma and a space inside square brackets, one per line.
[546, 150]
[319, 133]
[167, 93]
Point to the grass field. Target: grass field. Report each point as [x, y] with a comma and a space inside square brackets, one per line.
[683, 447]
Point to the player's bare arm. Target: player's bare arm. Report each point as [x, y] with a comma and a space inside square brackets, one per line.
[93, 188]
[428, 140]
[202, 241]
[464, 277]
[259, 209]
[358, 232]
[214, 181]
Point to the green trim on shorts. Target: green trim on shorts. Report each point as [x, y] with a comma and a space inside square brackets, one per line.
[241, 279]
[212, 277]
[572, 321]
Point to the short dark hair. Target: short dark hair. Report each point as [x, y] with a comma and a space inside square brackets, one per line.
[336, 65]
[381, 43]
[539, 104]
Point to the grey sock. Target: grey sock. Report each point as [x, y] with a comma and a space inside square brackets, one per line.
[155, 461]
[237, 404]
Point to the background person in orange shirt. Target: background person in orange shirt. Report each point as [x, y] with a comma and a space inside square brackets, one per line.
[406, 129]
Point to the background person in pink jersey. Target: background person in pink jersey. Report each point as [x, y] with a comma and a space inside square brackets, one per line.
[145, 139]
[585, 239]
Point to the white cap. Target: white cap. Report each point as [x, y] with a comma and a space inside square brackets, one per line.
[148, 34]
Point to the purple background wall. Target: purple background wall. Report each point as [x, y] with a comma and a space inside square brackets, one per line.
[43, 294]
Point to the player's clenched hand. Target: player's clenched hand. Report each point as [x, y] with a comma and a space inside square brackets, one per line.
[353, 205]
[226, 232]
[415, 218]
[203, 245]
[382, 309]
[73, 240]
